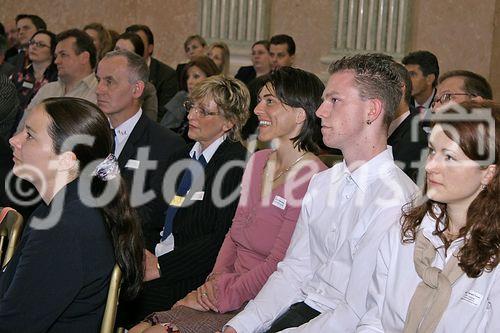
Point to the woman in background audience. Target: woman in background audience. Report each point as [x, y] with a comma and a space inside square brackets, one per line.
[274, 183]
[58, 278]
[219, 53]
[194, 46]
[114, 37]
[438, 271]
[261, 63]
[175, 116]
[131, 42]
[40, 70]
[101, 37]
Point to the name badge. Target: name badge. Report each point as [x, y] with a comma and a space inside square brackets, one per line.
[27, 84]
[279, 202]
[198, 196]
[176, 201]
[472, 297]
[132, 164]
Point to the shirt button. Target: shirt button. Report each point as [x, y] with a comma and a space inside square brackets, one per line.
[347, 196]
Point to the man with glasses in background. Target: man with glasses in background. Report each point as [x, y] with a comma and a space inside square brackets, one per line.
[461, 85]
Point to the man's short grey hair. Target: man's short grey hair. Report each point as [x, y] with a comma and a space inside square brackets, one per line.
[137, 68]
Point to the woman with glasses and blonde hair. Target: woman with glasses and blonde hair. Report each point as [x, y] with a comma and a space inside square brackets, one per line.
[199, 213]
[40, 70]
[274, 183]
[438, 270]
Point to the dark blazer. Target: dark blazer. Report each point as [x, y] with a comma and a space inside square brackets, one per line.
[161, 143]
[198, 231]
[180, 76]
[164, 78]
[59, 277]
[404, 149]
[246, 74]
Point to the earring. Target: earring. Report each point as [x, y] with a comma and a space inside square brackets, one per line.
[483, 187]
[368, 122]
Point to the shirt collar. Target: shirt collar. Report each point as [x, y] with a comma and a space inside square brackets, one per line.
[197, 151]
[396, 122]
[88, 81]
[371, 170]
[125, 128]
[428, 103]
[428, 227]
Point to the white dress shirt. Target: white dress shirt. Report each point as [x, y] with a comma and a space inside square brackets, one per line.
[123, 131]
[331, 257]
[474, 304]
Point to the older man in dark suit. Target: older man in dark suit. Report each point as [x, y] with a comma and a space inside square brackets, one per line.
[141, 145]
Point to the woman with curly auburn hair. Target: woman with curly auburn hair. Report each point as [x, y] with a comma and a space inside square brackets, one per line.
[437, 272]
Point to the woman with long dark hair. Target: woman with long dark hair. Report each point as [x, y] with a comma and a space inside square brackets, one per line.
[59, 276]
[438, 272]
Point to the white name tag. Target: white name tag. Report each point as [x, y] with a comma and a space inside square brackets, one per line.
[132, 164]
[27, 84]
[472, 297]
[198, 196]
[279, 202]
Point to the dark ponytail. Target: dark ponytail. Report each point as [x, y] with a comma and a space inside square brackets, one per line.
[73, 117]
[126, 233]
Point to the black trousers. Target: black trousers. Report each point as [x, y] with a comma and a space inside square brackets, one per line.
[296, 315]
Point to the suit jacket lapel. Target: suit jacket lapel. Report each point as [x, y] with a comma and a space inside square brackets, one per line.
[130, 149]
[400, 131]
[152, 71]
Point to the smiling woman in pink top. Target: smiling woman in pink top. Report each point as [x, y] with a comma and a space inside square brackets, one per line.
[274, 183]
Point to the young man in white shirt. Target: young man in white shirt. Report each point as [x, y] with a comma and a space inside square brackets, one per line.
[322, 283]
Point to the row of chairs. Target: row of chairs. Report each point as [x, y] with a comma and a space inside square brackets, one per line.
[11, 226]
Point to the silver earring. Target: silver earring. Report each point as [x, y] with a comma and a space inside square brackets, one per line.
[483, 187]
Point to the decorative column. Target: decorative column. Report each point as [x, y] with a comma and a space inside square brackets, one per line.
[362, 26]
[238, 23]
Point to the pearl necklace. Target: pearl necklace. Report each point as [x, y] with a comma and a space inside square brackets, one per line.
[289, 167]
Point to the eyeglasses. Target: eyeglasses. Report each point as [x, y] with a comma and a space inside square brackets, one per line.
[446, 97]
[201, 112]
[37, 44]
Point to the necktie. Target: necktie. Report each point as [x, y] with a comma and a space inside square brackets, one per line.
[113, 144]
[181, 191]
